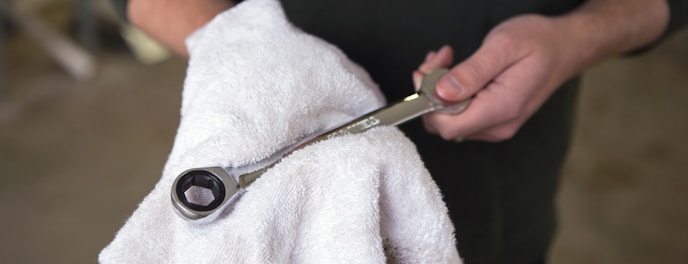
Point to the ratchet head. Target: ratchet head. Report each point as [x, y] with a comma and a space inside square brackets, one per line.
[427, 88]
[201, 193]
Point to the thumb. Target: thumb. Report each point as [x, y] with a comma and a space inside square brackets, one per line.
[471, 75]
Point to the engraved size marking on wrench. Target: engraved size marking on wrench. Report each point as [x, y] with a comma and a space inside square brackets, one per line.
[362, 125]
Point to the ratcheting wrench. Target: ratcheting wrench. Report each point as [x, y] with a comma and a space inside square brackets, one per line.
[227, 184]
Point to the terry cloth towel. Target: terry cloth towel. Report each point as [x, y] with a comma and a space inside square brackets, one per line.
[256, 84]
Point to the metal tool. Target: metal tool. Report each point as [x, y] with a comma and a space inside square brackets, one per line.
[227, 184]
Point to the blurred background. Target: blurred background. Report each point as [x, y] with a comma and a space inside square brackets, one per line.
[89, 109]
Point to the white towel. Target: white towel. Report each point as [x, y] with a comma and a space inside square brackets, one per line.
[254, 85]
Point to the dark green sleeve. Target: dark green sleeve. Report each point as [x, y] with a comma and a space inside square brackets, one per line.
[121, 8]
[678, 12]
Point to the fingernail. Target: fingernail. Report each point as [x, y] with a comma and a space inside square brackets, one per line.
[443, 48]
[430, 55]
[417, 77]
[449, 88]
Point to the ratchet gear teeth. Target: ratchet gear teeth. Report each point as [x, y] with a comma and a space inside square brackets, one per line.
[195, 188]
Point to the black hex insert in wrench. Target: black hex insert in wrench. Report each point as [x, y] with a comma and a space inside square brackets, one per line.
[226, 185]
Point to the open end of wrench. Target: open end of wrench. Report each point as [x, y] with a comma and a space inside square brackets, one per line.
[428, 88]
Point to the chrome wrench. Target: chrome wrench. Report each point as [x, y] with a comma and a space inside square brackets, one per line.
[225, 185]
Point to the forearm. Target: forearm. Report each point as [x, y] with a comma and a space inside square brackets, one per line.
[171, 21]
[606, 28]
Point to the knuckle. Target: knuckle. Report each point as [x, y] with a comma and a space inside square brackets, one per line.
[429, 125]
[511, 112]
[479, 72]
[480, 68]
[502, 134]
[503, 40]
[446, 135]
[506, 42]
[473, 75]
[445, 130]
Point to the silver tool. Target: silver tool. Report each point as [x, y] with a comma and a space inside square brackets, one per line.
[227, 184]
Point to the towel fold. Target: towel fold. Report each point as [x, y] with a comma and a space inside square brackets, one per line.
[255, 84]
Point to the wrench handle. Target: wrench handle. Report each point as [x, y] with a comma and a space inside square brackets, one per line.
[226, 188]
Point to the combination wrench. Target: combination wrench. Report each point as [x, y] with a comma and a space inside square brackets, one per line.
[227, 184]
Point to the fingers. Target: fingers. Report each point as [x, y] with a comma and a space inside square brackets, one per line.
[417, 79]
[517, 67]
[497, 111]
[484, 112]
[498, 133]
[443, 58]
[470, 76]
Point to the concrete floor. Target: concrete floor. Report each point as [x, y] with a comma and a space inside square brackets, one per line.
[76, 158]
[624, 192]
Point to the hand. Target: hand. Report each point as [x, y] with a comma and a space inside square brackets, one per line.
[523, 60]
[520, 64]
[171, 22]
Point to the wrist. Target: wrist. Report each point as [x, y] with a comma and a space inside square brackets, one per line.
[172, 21]
[605, 28]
